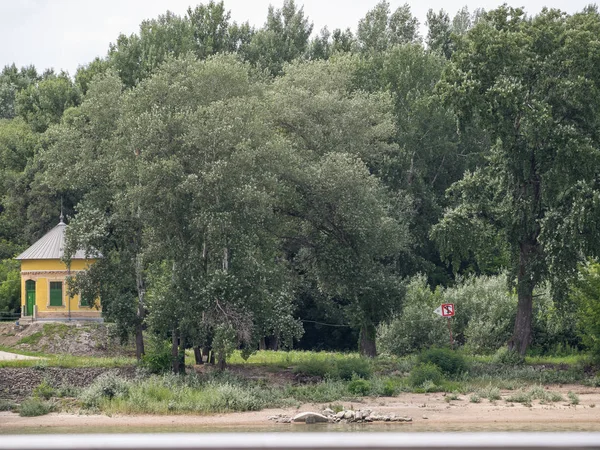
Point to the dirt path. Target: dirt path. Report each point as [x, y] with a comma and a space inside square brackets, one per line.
[8, 356]
[429, 412]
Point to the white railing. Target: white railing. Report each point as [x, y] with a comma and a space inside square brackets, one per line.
[301, 441]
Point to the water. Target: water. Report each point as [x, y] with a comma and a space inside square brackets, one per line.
[301, 428]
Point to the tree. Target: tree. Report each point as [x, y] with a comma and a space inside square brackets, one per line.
[346, 224]
[43, 104]
[380, 28]
[529, 82]
[12, 81]
[284, 37]
[84, 158]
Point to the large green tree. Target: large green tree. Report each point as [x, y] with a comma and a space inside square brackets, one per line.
[533, 84]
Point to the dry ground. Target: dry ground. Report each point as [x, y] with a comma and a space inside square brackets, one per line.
[429, 412]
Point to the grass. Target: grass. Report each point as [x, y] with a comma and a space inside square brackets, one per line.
[225, 392]
[32, 339]
[67, 361]
[34, 407]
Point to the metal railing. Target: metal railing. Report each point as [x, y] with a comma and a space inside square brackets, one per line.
[302, 441]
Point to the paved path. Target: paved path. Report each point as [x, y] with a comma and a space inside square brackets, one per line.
[7, 356]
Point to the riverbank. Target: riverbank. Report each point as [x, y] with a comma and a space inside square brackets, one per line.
[429, 412]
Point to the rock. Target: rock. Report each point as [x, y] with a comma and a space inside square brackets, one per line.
[310, 417]
[425, 417]
[358, 415]
[349, 415]
[328, 412]
[340, 415]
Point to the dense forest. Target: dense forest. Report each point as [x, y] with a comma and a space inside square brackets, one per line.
[274, 186]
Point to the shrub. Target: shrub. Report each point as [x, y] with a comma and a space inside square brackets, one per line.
[448, 360]
[347, 368]
[7, 405]
[485, 312]
[34, 407]
[474, 398]
[158, 356]
[358, 386]
[44, 390]
[107, 386]
[416, 327]
[314, 367]
[423, 373]
[507, 357]
[586, 295]
[573, 398]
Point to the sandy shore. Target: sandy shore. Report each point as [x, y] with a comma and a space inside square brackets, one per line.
[428, 411]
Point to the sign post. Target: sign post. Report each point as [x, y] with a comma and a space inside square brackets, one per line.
[447, 310]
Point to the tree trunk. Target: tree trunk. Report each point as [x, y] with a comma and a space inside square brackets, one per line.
[521, 337]
[367, 345]
[274, 343]
[141, 309]
[222, 361]
[198, 354]
[181, 354]
[174, 352]
[262, 345]
[139, 341]
[210, 356]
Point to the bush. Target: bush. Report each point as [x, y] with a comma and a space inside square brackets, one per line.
[347, 368]
[158, 356]
[7, 405]
[417, 327]
[507, 357]
[107, 386]
[485, 313]
[449, 361]
[314, 368]
[343, 368]
[34, 407]
[424, 373]
[586, 295]
[358, 386]
[44, 390]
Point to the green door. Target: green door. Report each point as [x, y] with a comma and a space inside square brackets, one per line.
[30, 291]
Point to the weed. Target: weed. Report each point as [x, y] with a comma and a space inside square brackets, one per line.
[520, 397]
[358, 386]
[43, 390]
[32, 339]
[573, 398]
[425, 372]
[314, 368]
[350, 367]
[474, 398]
[34, 407]
[452, 396]
[7, 405]
[336, 407]
[449, 361]
[507, 357]
[107, 386]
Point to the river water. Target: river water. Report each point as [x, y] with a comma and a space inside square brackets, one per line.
[299, 428]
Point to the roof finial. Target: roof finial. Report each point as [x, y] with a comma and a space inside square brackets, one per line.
[61, 212]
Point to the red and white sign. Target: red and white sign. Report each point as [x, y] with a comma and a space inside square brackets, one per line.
[445, 310]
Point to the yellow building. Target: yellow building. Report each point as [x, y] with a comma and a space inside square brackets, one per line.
[44, 293]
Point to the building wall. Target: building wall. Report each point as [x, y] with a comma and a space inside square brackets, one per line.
[44, 271]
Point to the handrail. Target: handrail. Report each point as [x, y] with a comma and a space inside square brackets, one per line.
[302, 441]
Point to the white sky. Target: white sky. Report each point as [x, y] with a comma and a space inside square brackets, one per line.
[65, 34]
